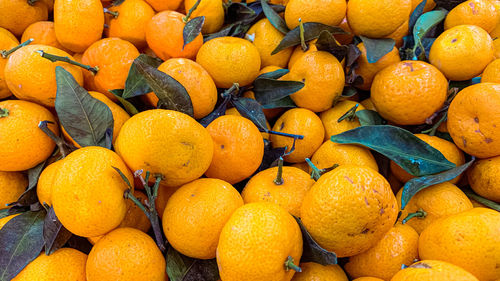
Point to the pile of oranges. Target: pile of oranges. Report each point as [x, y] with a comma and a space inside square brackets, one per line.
[202, 166]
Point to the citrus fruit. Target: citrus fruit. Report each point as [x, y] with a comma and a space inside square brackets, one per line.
[429, 5]
[484, 178]
[368, 70]
[7, 42]
[45, 182]
[492, 72]
[17, 15]
[12, 185]
[433, 270]
[212, 10]
[43, 33]
[161, 5]
[331, 153]
[329, 12]
[317, 272]
[331, 116]
[481, 13]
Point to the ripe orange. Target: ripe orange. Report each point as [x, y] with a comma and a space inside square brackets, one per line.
[45, 182]
[399, 34]
[16, 15]
[492, 72]
[329, 12]
[429, 5]
[7, 42]
[433, 270]
[212, 10]
[481, 13]
[368, 70]
[330, 153]
[164, 193]
[43, 33]
[12, 185]
[330, 118]
[484, 178]
[367, 279]
[314, 271]
[298, 52]
[234, 111]
[161, 5]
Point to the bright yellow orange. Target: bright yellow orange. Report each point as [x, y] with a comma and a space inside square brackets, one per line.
[17, 15]
[330, 118]
[45, 182]
[12, 185]
[161, 5]
[481, 13]
[368, 104]
[429, 5]
[492, 72]
[43, 33]
[367, 279]
[484, 178]
[212, 10]
[7, 42]
[330, 154]
[329, 12]
[298, 52]
[344, 39]
[433, 270]
[399, 34]
[234, 111]
[164, 193]
[312, 271]
[368, 70]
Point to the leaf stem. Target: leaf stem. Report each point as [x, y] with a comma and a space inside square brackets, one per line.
[418, 214]
[186, 18]
[4, 112]
[279, 177]
[6, 53]
[350, 115]
[115, 14]
[432, 131]
[289, 264]
[482, 200]
[302, 37]
[54, 58]
[315, 173]
[234, 88]
[58, 140]
[286, 135]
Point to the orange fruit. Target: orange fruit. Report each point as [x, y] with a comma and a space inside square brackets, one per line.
[462, 45]
[368, 70]
[195, 215]
[172, 144]
[473, 119]
[298, 52]
[312, 271]
[197, 82]
[270, 113]
[288, 193]
[164, 36]
[408, 92]
[161, 5]
[230, 60]
[234, 111]
[399, 34]
[7, 42]
[12, 185]
[376, 19]
[113, 57]
[17, 15]
[323, 78]
[87, 192]
[130, 25]
[330, 153]
[299, 121]
[367, 279]
[63, 264]
[5, 220]
[484, 178]
[126, 254]
[164, 193]
[36, 80]
[23, 145]
[237, 142]
[45, 182]
[251, 243]
[329, 12]
[481, 13]
[302, 165]
[468, 239]
[344, 39]
[348, 210]
[43, 33]
[429, 5]
[368, 104]
[78, 23]
[492, 72]
[331, 116]
[433, 270]
[212, 10]
[398, 246]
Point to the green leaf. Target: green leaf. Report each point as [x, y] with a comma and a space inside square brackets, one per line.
[29, 196]
[118, 2]
[377, 48]
[4, 213]
[219, 111]
[124, 178]
[136, 84]
[55, 235]
[285, 102]
[409, 152]
[85, 118]
[425, 23]
[129, 107]
[182, 268]
[312, 252]
[251, 109]
[486, 202]
[274, 74]
[416, 184]
[311, 31]
[21, 241]
[369, 117]
[192, 29]
[326, 42]
[419, 10]
[171, 94]
[274, 18]
[268, 90]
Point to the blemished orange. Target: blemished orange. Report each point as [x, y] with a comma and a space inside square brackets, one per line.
[230, 60]
[468, 239]
[492, 72]
[130, 25]
[22, 144]
[484, 178]
[331, 153]
[376, 19]
[172, 144]
[299, 121]
[330, 118]
[196, 213]
[113, 57]
[288, 192]
[348, 210]
[473, 119]
[5, 220]
[266, 38]
[433, 270]
[16, 15]
[312, 271]
[481, 13]
[449, 150]
[459, 46]
[237, 142]
[408, 92]
[164, 36]
[45, 182]
[126, 254]
[87, 192]
[212, 10]
[323, 78]
[12, 185]
[43, 33]
[197, 82]
[429, 5]
[399, 246]
[7, 42]
[78, 23]
[329, 12]
[368, 70]
[251, 243]
[63, 264]
[36, 80]
[162, 5]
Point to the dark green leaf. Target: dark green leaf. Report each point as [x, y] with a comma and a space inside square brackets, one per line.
[419, 10]
[55, 235]
[349, 91]
[4, 213]
[251, 109]
[34, 174]
[416, 184]
[80, 243]
[219, 111]
[85, 118]
[326, 42]
[21, 241]
[369, 117]
[311, 31]
[426, 22]
[136, 84]
[285, 102]
[274, 74]
[118, 2]
[124, 178]
[486, 202]
[171, 94]
[182, 268]
[29, 195]
[377, 48]
[353, 54]
[270, 155]
[312, 252]
[268, 90]
[239, 12]
[409, 152]
[273, 17]
[192, 29]
[129, 107]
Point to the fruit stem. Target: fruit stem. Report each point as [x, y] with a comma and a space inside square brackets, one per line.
[59, 141]
[302, 37]
[350, 115]
[290, 265]
[6, 53]
[286, 135]
[279, 177]
[54, 58]
[418, 214]
[432, 131]
[186, 18]
[315, 173]
[234, 88]
[484, 201]
[4, 112]
[113, 13]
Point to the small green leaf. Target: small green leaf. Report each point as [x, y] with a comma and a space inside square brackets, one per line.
[486, 202]
[268, 90]
[377, 48]
[425, 23]
[274, 74]
[285, 102]
[274, 18]
[124, 178]
[311, 31]
[192, 29]
[416, 184]
[312, 252]
[326, 42]
[182, 268]
[129, 107]
[369, 117]
[251, 109]
[55, 235]
[85, 118]
[409, 152]
[21, 241]
[136, 84]
[29, 196]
